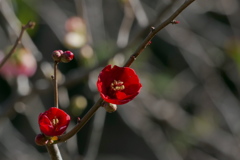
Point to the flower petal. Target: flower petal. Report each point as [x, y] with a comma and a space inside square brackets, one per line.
[126, 75]
[46, 125]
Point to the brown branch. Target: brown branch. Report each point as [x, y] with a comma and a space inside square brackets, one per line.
[82, 122]
[55, 83]
[153, 32]
[30, 25]
[139, 50]
[53, 148]
[73, 78]
[54, 152]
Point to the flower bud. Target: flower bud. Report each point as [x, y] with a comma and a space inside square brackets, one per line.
[41, 140]
[56, 55]
[109, 107]
[67, 56]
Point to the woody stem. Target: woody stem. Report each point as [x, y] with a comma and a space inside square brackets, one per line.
[154, 31]
[55, 84]
[30, 24]
[139, 50]
[53, 148]
[54, 152]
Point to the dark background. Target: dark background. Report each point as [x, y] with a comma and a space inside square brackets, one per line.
[188, 108]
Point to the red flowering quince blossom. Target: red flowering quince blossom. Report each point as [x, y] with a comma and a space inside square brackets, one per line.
[118, 85]
[53, 122]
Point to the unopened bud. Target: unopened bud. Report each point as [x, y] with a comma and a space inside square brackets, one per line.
[56, 55]
[67, 56]
[109, 107]
[41, 140]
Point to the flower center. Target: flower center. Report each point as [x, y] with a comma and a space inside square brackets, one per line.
[117, 85]
[55, 121]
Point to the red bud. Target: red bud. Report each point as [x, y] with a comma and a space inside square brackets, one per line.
[56, 55]
[41, 140]
[67, 56]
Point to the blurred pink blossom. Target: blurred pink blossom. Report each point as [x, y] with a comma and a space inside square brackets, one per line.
[75, 36]
[22, 62]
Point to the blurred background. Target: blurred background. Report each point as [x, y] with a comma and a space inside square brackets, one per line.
[188, 108]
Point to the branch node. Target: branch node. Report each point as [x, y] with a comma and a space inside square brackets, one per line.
[78, 120]
[29, 25]
[175, 22]
[152, 29]
[133, 57]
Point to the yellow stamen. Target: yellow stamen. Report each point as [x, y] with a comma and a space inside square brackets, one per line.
[122, 87]
[115, 82]
[55, 121]
[120, 82]
[54, 138]
[117, 85]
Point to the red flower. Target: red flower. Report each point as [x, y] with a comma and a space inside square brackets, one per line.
[118, 85]
[53, 122]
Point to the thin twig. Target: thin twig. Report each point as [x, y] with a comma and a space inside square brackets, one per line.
[31, 25]
[139, 50]
[153, 32]
[72, 78]
[55, 85]
[53, 148]
[95, 135]
[82, 122]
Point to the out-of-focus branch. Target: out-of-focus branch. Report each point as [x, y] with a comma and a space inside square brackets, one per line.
[139, 12]
[82, 122]
[31, 25]
[77, 75]
[95, 136]
[48, 10]
[73, 78]
[139, 50]
[8, 13]
[125, 27]
[155, 31]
